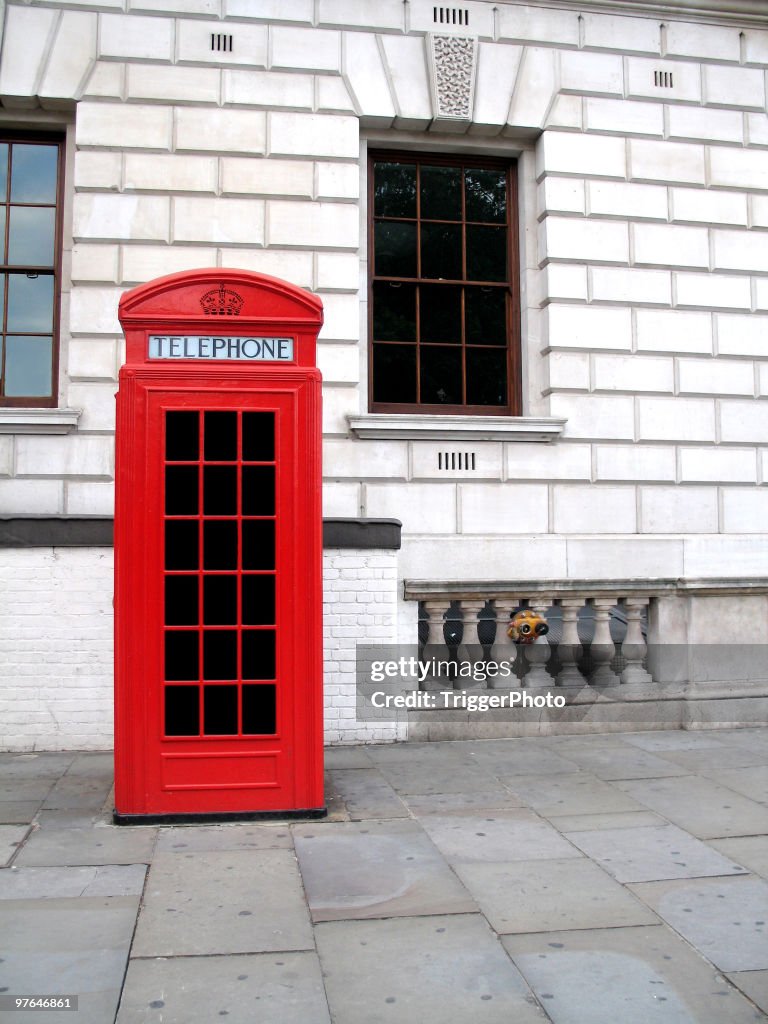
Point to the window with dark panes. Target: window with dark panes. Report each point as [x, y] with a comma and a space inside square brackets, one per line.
[444, 310]
[30, 176]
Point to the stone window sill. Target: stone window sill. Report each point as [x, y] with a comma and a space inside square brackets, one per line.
[383, 426]
[38, 421]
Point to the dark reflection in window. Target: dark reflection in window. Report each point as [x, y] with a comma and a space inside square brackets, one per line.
[394, 373]
[258, 653]
[441, 251]
[181, 544]
[258, 544]
[219, 545]
[259, 710]
[440, 313]
[220, 444]
[220, 654]
[220, 710]
[181, 491]
[220, 600]
[258, 436]
[28, 367]
[182, 436]
[3, 171]
[486, 376]
[181, 601]
[441, 193]
[181, 654]
[258, 490]
[440, 375]
[31, 236]
[486, 316]
[220, 490]
[394, 190]
[30, 303]
[486, 195]
[258, 600]
[395, 249]
[182, 711]
[394, 311]
[486, 253]
[34, 173]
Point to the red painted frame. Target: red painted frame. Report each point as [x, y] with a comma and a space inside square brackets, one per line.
[171, 777]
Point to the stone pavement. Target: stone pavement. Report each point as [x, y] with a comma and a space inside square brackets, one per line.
[575, 879]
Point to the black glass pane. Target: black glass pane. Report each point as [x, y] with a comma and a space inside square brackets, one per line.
[220, 654]
[486, 194]
[394, 249]
[220, 436]
[440, 313]
[182, 711]
[258, 490]
[258, 544]
[441, 375]
[441, 251]
[258, 653]
[394, 190]
[486, 253]
[28, 367]
[181, 491]
[258, 436]
[394, 373]
[394, 311]
[220, 600]
[31, 236]
[258, 600]
[486, 316]
[441, 193]
[181, 544]
[181, 601]
[182, 439]
[486, 376]
[220, 710]
[34, 173]
[30, 303]
[219, 545]
[220, 490]
[181, 654]
[259, 711]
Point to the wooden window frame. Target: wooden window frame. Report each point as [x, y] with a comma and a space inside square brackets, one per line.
[513, 406]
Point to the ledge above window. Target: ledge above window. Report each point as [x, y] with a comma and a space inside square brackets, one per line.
[38, 421]
[383, 426]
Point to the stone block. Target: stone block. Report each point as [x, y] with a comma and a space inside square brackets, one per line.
[595, 417]
[593, 509]
[740, 250]
[407, 502]
[371, 14]
[72, 54]
[758, 206]
[634, 462]
[745, 421]
[188, 7]
[635, 373]
[78, 455]
[639, 557]
[406, 61]
[676, 419]
[708, 42]
[623, 116]
[367, 79]
[220, 131]
[6, 455]
[271, 10]
[156, 172]
[362, 460]
[32, 497]
[92, 359]
[342, 317]
[548, 462]
[143, 262]
[755, 47]
[697, 123]
[708, 206]
[97, 170]
[561, 195]
[745, 510]
[337, 271]
[566, 153]
[717, 465]
[121, 217]
[566, 112]
[715, 376]
[664, 244]
[638, 287]
[249, 43]
[337, 181]
[762, 379]
[538, 24]
[497, 68]
[321, 135]
[567, 371]
[305, 49]
[588, 327]
[174, 84]
[316, 225]
[673, 331]
[724, 556]
[737, 168]
[503, 508]
[97, 400]
[256, 176]
[734, 87]
[626, 199]
[295, 267]
[666, 161]
[641, 80]
[761, 294]
[597, 73]
[92, 263]
[625, 35]
[131, 37]
[678, 510]
[565, 282]
[536, 84]
[712, 291]
[341, 499]
[123, 125]
[220, 221]
[339, 401]
[582, 240]
[93, 311]
[26, 37]
[106, 81]
[757, 129]
[333, 96]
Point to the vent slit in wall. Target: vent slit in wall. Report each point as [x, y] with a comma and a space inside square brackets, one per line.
[452, 461]
[663, 79]
[221, 42]
[450, 16]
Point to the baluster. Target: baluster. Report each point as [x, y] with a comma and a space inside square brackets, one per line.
[633, 648]
[471, 648]
[504, 649]
[569, 649]
[537, 654]
[603, 649]
[434, 646]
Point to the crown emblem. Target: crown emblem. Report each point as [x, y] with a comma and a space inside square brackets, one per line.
[221, 301]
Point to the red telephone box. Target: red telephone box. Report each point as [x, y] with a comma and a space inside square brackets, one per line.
[218, 549]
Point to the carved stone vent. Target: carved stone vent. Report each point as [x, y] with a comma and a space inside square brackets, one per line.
[663, 79]
[221, 42]
[453, 60]
[452, 461]
[450, 16]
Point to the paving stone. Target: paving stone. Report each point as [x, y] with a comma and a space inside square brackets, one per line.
[580, 793]
[385, 754]
[68, 946]
[617, 819]
[624, 762]
[375, 869]
[724, 918]
[709, 760]
[11, 838]
[750, 851]
[700, 806]
[632, 975]
[235, 901]
[749, 782]
[367, 794]
[533, 761]
[647, 854]
[420, 779]
[755, 739]
[60, 882]
[678, 739]
[79, 792]
[347, 757]
[74, 819]
[539, 895]
[25, 789]
[31, 766]
[754, 985]
[92, 764]
[447, 803]
[100, 845]
[412, 970]
[271, 988]
[239, 836]
[496, 836]
[18, 812]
